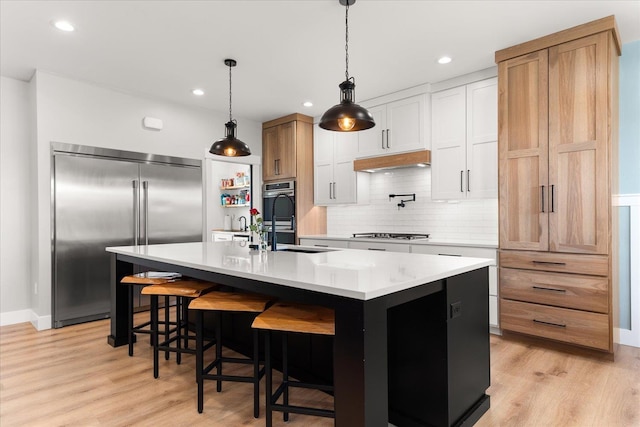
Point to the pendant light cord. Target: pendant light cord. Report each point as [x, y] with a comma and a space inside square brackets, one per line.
[346, 43]
[230, 116]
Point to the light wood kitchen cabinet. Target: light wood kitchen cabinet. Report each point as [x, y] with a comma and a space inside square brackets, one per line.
[335, 180]
[279, 151]
[287, 153]
[464, 142]
[400, 127]
[557, 164]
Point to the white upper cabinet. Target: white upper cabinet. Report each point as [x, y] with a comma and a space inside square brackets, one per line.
[464, 146]
[335, 180]
[400, 127]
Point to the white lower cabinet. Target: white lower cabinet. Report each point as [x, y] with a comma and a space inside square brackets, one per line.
[379, 246]
[474, 253]
[324, 243]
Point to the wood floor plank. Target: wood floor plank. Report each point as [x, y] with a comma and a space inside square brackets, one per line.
[72, 377]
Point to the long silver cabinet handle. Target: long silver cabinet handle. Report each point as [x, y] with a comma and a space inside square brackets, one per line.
[376, 249]
[334, 191]
[388, 132]
[468, 186]
[136, 212]
[449, 254]
[145, 187]
[461, 178]
[382, 139]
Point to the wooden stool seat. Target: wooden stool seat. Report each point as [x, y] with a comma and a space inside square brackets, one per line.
[219, 302]
[183, 290]
[292, 318]
[180, 288]
[306, 319]
[230, 301]
[144, 279]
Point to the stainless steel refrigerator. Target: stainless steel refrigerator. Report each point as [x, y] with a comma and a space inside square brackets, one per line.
[106, 198]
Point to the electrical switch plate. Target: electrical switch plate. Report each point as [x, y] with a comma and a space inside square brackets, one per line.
[456, 309]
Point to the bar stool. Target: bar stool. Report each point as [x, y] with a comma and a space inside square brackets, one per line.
[292, 318]
[183, 290]
[227, 302]
[145, 279]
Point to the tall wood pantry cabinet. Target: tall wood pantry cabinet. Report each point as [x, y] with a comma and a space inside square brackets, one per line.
[287, 154]
[557, 144]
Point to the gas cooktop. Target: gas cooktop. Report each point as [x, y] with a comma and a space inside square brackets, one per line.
[398, 236]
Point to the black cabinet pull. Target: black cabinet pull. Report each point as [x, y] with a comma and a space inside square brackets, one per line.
[449, 254]
[541, 288]
[376, 249]
[549, 262]
[552, 197]
[468, 175]
[542, 204]
[557, 325]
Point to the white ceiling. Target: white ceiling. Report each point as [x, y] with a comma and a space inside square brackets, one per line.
[287, 51]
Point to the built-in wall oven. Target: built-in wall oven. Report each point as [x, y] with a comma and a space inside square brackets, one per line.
[284, 214]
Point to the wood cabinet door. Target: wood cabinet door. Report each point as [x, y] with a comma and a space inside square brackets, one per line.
[523, 152]
[482, 139]
[448, 166]
[279, 152]
[578, 136]
[269, 153]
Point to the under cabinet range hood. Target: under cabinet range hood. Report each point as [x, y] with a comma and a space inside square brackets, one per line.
[394, 161]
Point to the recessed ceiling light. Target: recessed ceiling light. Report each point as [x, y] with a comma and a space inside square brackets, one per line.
[307, 104]
[197, 92]
[64, 26]
[444, 60]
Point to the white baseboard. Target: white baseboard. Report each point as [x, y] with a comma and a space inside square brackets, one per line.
[41, 323]
[13, 317]
[629, 337]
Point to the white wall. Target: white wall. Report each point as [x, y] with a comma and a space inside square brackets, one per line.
[468, 221]
[75, 112]
[15, 296]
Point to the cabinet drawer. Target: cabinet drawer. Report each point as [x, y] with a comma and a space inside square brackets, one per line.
[562, 324]
[597, 265]
[563, 290]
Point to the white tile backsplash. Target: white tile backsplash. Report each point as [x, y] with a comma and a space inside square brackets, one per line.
[467, 220]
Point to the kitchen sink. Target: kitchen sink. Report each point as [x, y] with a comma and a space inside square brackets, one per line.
[304, 250]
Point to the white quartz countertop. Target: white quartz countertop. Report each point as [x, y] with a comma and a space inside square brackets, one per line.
[430, 241]
[350, 273]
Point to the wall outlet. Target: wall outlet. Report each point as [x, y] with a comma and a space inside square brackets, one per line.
[456, 309]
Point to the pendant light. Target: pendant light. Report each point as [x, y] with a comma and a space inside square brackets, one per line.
[230, 146]
[347, 116]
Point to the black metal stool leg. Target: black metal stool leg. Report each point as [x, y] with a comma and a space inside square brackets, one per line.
[167, 327]
[154, 333]
[219, 349]
[179, 302]
[256, 375]
[185, 320]
[285, 373]
[130, 314]
[267, 368]
[200, 358]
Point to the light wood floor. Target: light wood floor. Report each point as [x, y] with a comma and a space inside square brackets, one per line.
[72, 377]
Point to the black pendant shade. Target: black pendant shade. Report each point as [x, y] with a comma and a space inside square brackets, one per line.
[347, 116]
[230, 146]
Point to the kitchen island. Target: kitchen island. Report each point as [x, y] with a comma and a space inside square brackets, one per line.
[411, 344]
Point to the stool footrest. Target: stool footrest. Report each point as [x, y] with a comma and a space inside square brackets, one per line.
[303, 410]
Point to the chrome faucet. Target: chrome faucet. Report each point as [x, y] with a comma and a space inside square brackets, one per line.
[245, 222]
[273, 218]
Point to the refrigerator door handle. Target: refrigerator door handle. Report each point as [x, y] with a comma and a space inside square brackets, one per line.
[136, 212]
[145, 187]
